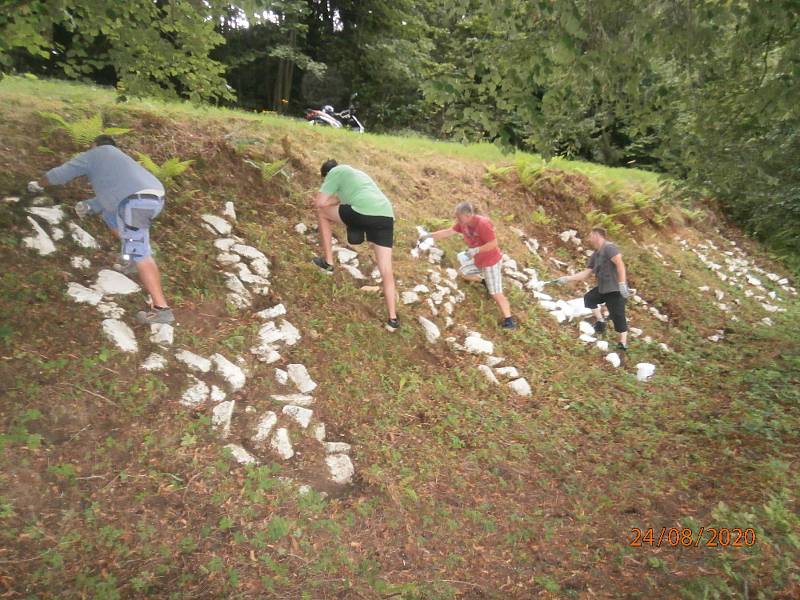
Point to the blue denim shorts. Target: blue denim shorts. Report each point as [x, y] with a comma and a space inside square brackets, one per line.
[132, 220]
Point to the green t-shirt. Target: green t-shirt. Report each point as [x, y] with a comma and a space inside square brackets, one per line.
[357, 189]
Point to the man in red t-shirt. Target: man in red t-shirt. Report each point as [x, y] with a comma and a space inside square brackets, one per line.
[481, 262]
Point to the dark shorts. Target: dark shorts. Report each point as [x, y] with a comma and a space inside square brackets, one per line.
[378, 230]
[613, 301]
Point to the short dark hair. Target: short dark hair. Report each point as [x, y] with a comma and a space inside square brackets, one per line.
[600, 231]
[104, 140]
[327, 166]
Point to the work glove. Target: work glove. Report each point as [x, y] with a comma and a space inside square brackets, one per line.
[472, 252]
[624, 291]
[559, 281]
[34, 187]
[82, 209]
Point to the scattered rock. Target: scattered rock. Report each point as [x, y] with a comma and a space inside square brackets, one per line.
[265, 425]
[162, 334]
[217, 395]
[122, 335]
[301, 228]
[297, 399]
[52, 214]
[282, 444]
[269, 314]
[230, 372]
[79, 262]
[371, 289]
[602, 345]
[520, 386]
[587, 339]
[248, 252]
[227, 258]
[336, 447]
[290, 333]
[154, 362]
[40, 242]
[83, 295]
[345, 255]
[300, 377]
[340, 468]
[221, 417]
[318, 431]
[432, 332]
[218, 224]
[229, 211]
[489, 374]
[510, 372]
[354, 272]
[224, 244]
[614, 359]
[260, 267]
[493, 361]
[196, 394]
[113, 283]
[281, 376]
[242, 456]
[477, 345]
[644, 371]
[110, 310]
[238, 301]
[194, 361]
[302, 416]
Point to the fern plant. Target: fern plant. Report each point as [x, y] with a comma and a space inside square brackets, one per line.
[166, 171]
[269, 169]
[82, 132]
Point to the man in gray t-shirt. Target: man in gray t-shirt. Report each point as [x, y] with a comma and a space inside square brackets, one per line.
[612, 287]
[128, 197]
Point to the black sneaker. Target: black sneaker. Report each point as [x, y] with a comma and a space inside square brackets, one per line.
[323, 265]
[599, 327]
[622, 347]
[392, 325]
[509, 323]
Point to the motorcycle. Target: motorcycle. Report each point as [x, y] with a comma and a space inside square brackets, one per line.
[327, 116]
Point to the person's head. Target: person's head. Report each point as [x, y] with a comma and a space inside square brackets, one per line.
[104, 140]
[465, 212]
[597, 237]
[327, 166]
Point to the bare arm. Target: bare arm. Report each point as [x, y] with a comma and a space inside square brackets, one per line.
[443, 233]
[621, 274]
[321, 200]
[488, 246]
[579, 276]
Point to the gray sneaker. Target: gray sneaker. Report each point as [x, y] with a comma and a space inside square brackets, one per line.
[152, 316]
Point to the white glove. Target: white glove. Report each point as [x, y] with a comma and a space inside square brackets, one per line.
[624, 291]
[82, 209]
[472, 252]
[34, 187]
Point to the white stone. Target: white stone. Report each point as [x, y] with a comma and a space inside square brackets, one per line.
[559, 315]
[432, 332]
[318, 431]
[767, 321]
[451, 273]
[771, 307]
[110, 310]
[302, 416]
[122, 335]
[248, 252]
[353, 271]
[576, 309]
[266, 354]
[264, 428]
[217, 395]
[510, 372]
[644, 371]
[493, 361]
[290, 333]
[229, 211]
[614, 359]
[113, 283]
[260, 267]
[40, 242]
[57, 233]
[154, 362]
[282, 444]
[218, 224]
[567, 235]
[635, 331]
[52, 214]
[194, 361]
[586, 328]
[300, 377]
[281, 376]
[340, 468]
[11, 199]
[602, 345]
[235, 285]
[753, 281]
[196, 394]
[301, 228]
[488, 374]
[221, 417]
[224, 244]
[272, 313]
[79, 262]
[587, 339]
[231, 373]
[520, 386]
[242, 456]
[238, 300]
[477, 345]
[162, 334]
[422, 289]
[297, 399]
[227, 259]
[336, 447]
[83, 295]
[345, 255]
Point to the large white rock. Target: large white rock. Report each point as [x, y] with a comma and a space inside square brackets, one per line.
[300, 415]
[221, 417]
[345, 255]
[602, 345]
[300, 377]
[297, 399]
[235, 285]
[586, 328]
[113, 283]
[227, 259]
[40, 241]
[110, 310]
[575, 308]
[340, 468]
[493, 361]
[432, 332]
[644, 371]
[79, 262]
[269, 314]
[614, 359]
[282, 444]
[196, 394]
[119, 333]
[52, 214]
[238, 301]
[217, 395]
[510, 372]
[587, 339]
[291, 335]
[82, 294]
[281, 376]
[260, 267]
[242, 456]
[220, 225]
[567, 235]
[336, 447]
[194, 361]
[224, 244]
[248, 252]
[488, 374]
[520, 386]
[162, 334]
[154, 362]
[229, 371]
[264, 427]
[477, 345]
[229, 211]
[353, 271]
[83, 238]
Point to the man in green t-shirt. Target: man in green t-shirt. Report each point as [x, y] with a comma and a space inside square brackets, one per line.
[349, 196]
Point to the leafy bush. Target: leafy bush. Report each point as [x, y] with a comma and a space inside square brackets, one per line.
[166, 171]
[82, 132]
[269, 169]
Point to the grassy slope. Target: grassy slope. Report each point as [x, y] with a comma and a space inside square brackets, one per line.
[109, 487]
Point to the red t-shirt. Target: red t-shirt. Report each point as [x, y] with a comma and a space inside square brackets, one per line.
[478, 233]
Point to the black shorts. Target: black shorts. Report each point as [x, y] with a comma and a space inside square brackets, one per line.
[615, 304]
[378, 230]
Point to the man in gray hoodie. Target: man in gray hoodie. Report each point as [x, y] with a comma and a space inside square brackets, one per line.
[128, 197]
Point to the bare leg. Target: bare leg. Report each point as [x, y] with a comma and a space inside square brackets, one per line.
[327, 215]
[383, 256]
[502, 302]
[623, 338]
[151, 280]
[472, 278]
[597, 314]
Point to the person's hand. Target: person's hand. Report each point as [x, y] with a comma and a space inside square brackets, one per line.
[472, 252]
[82, 209]
[624, 291]
[425, 237]
[560, 281]
[34, 187]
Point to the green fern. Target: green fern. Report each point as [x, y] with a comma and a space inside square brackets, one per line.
[540, 217]
[83, 131]
[269, 169]
[166, 171]
[495, 174]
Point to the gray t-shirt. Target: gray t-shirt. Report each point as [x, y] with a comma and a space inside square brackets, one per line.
[113, 174]
[605, 270]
